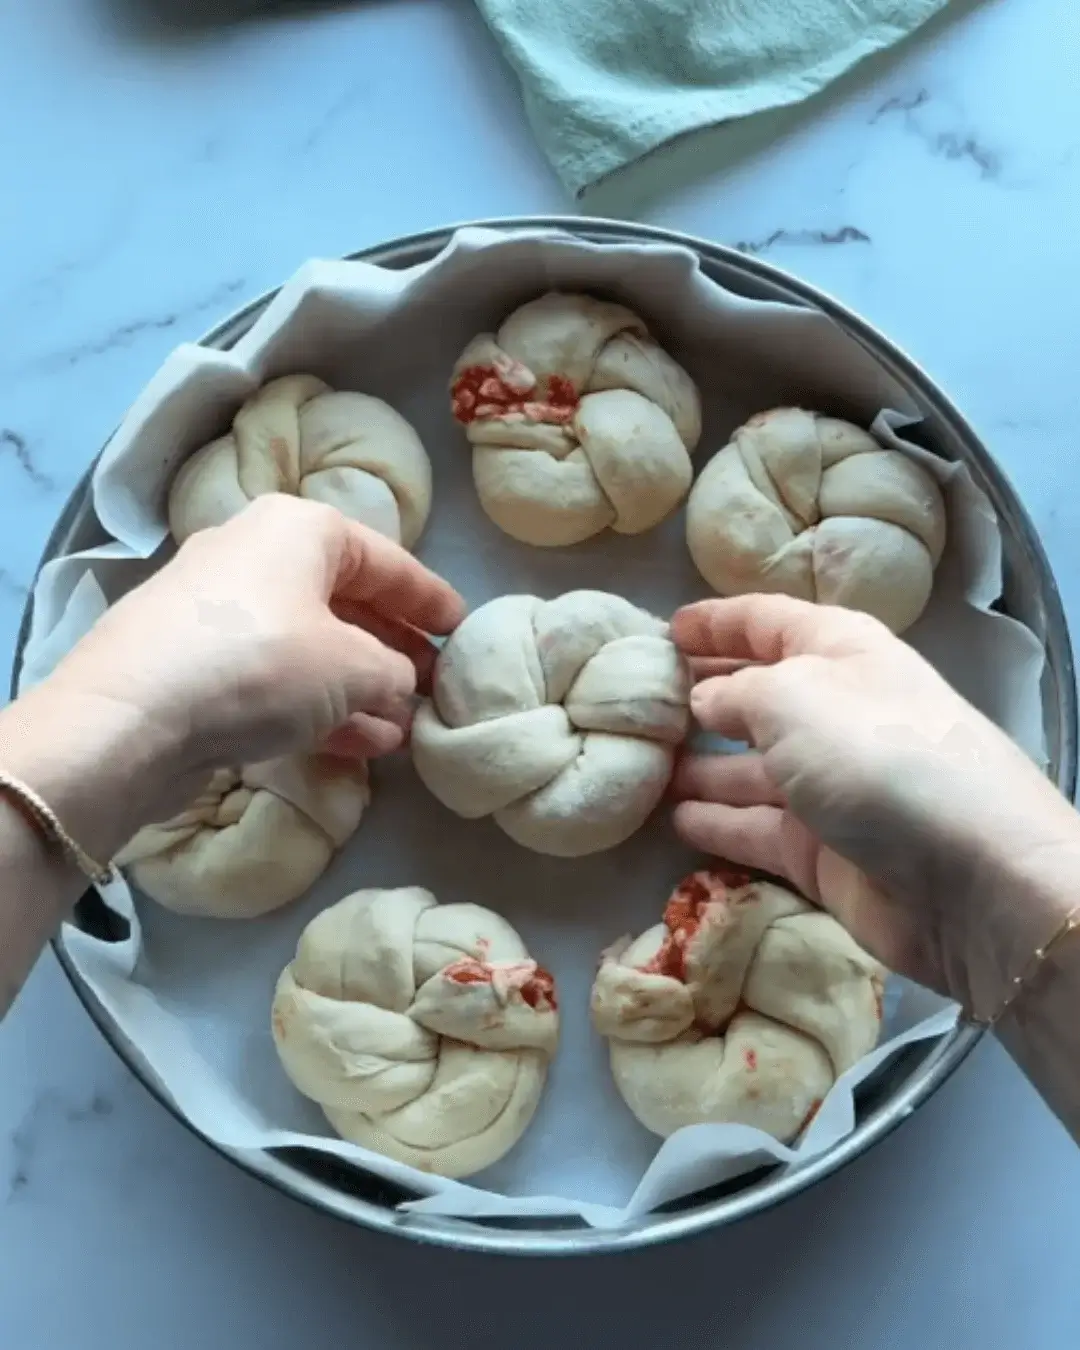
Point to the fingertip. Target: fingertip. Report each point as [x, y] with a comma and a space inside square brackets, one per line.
[702, 696]
[753, 627]
[706, 667]
[449, 611]
[687, 628]
[719, 704]
[385, 738]
[364, 737]
[680, 787]
[430, 603]
[696, 824]
[750, 835]
[716, 628]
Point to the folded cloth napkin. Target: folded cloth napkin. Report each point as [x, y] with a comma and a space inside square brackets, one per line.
[606, 81]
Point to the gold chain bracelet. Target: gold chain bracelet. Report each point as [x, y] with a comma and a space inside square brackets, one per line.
[1020, 982]
[47, 824]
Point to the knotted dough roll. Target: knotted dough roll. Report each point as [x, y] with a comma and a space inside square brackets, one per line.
[816, 508]
[297, 435]
[424, 1031]
[559, 718]
[255, 838]
[742, 1007]
[578, 421]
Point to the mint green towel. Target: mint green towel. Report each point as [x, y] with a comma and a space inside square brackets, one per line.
[606, 81]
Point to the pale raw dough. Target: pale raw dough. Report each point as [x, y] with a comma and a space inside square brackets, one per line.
[742, 1007]
[816, 508]
[559, 718]
[256, 838]
[297, 435]
[424, 1031]
[578, 421]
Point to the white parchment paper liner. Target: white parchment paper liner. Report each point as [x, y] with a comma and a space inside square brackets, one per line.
[193, 995]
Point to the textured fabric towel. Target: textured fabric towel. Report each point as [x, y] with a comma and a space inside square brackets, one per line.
[606, 81]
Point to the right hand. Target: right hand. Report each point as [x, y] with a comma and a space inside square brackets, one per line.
[872, 786]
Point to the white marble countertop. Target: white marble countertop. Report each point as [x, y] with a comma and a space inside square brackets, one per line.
[154, 178]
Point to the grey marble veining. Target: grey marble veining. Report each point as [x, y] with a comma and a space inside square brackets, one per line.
[47, 1110]
[843, 234]
[219, 300]
[919, 116]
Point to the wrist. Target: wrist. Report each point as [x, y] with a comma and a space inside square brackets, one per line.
[1040, 1028]
[100, 765]
[1020, 899]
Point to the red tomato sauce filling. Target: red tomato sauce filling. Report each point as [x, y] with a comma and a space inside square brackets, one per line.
[536, 985]
[685, 911]
[481, 391]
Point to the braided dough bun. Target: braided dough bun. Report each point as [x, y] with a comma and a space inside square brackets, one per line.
[578, 421]
[255, 839]
[299, 436]
[742, 1007]
[424, 1031]
[816, 508]
[559, 718]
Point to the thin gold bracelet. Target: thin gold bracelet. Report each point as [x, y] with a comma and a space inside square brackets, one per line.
[1020, 982]
[47, 824]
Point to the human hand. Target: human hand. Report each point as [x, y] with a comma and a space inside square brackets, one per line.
[872, 786]
[287, 628]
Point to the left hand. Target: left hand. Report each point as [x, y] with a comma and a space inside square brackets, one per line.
[288, 628]
[876, 789]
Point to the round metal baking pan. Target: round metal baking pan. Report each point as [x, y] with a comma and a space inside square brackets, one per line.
[1030, 594]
